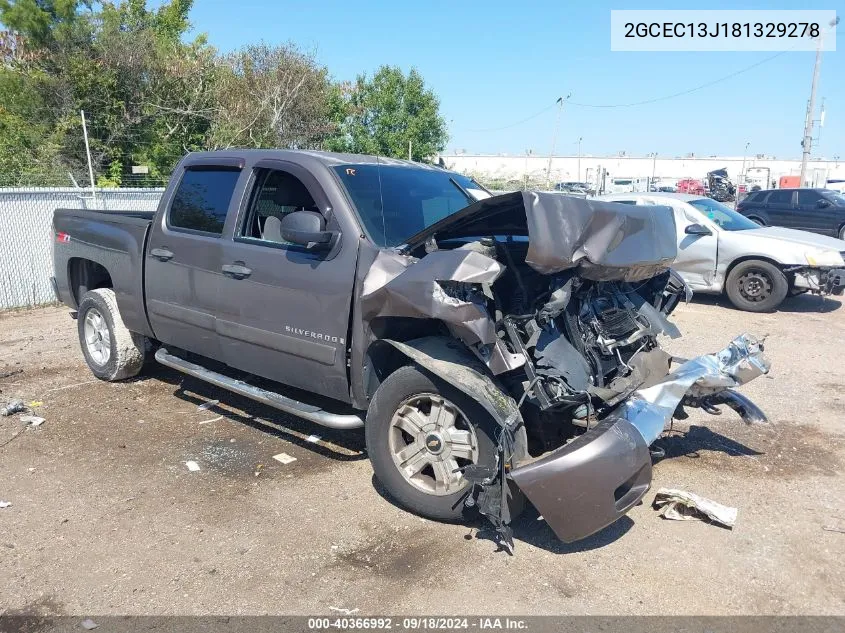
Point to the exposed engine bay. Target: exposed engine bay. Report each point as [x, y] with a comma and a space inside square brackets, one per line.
[582, 346]
[550, 309]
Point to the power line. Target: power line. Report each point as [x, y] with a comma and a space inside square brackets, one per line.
[637, 103]
[683, 92]
[510, 125]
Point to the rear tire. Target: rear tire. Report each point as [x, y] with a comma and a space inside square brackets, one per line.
[756, 220]
[111, 351]
[409, 399]
[842, 232]
[756, 286]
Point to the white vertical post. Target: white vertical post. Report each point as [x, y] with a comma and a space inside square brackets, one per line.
[88, 153]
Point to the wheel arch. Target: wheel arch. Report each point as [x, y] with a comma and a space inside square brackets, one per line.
[748, 258]
[86, 274]
[450, 360]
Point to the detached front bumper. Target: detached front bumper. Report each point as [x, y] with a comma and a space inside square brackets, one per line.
[591, 482]
[822, 281]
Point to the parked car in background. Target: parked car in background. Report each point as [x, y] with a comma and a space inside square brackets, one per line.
[575, 188]
[690, 185]
[816, 210]
[721, 251]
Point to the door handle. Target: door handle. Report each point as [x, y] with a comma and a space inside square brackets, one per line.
[236, 270]
[161, 254]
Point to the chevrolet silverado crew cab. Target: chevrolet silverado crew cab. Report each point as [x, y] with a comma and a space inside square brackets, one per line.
[492, 348]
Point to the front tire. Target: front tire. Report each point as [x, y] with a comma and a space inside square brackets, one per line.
[756, 220]
[111, 351]
[420, 430]
[756, 286]
[842, 232]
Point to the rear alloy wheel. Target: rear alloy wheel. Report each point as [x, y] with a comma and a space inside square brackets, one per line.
[110, 349]
[756, 286]
[421, 433]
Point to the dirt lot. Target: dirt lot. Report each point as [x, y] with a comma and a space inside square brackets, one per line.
[107, 519]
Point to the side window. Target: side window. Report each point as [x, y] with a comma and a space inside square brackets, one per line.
[202, 199]
[780, 197]
[754, 197]
[276, 193]
[808, 197]
[624, 201]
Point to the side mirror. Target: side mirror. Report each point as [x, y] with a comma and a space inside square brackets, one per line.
[307, 228]
[697, 229]
[821, 204]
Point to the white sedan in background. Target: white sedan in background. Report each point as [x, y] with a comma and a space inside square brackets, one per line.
[721, 251]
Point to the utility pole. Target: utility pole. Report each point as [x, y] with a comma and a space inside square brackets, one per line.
[559, 101]
[88, 154]
[742, 169]
[807, 143]
[653, 168]
[410, 144]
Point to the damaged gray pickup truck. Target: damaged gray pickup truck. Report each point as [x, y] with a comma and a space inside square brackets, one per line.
[493, 348]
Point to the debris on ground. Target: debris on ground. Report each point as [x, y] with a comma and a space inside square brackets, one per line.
[284, 458]
[5, 504]
[344, 611]
[680, 505]
[219, 417]
[14, 372]
[35, 404]
[208, 405]
[88, 624]
[314, 439]
[192, 466]
[830, 528]
[15, 406]
[258, 469]
[32, 420]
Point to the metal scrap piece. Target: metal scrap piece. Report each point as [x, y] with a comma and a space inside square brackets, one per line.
[680, 505]
[650, 409]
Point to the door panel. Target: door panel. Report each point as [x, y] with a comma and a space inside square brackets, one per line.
[812, 217]
[696, 261]
[780, 208]
[184, 259]
[287, 320]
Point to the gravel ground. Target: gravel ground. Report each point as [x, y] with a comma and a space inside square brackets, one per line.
[107, 519]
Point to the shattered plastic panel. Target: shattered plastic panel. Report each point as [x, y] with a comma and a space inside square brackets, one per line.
[650, 409]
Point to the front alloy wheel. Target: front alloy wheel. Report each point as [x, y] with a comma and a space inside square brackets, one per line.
[431, 442]
[422, 433]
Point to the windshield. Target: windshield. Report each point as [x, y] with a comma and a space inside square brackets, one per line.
[396, 202]
[725, 217]
[835, 197]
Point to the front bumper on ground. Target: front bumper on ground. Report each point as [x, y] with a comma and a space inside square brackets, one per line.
[591, 482]
[823, 281]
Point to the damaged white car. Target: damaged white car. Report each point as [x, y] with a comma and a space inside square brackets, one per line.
[757, 267]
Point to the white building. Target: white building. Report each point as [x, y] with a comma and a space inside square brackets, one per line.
[584, 168]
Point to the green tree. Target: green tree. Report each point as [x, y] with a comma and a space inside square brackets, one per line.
[387, 114]
[270, 96]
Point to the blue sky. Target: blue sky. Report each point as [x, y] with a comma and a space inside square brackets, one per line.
[495, 63]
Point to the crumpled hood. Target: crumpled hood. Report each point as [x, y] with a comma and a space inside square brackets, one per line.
[801, 238]
[605, 240]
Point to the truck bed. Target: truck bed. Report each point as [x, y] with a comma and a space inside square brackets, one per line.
[116, 241]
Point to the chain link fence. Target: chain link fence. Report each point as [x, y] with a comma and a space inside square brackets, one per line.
[26, 239]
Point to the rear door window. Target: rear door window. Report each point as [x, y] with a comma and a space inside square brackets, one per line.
[202, 198]
[780, 197]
